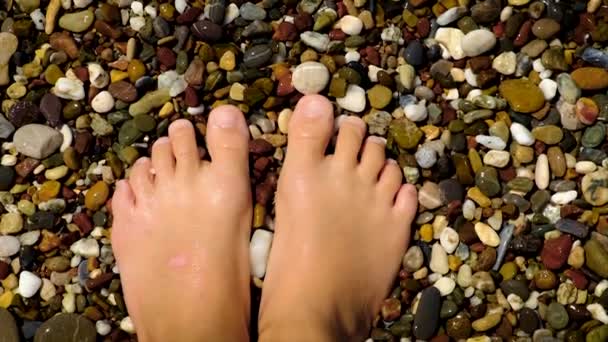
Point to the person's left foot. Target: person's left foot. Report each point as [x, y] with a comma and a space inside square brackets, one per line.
[181, 234]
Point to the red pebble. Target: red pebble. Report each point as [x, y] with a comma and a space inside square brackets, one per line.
[499, 30]
[555, 252]
[83, 222]
[166, 56]
[285, 32]
[372, 56]
[342, 11]
[423, 27]
[191, 97]
[477, 247]
[285, 86]
[578, 278]
[524, 34]
[82, 73]
[337, 34]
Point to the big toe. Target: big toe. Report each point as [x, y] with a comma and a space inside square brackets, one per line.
[228, 138]
[310, 129]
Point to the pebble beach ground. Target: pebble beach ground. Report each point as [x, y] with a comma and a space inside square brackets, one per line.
[497, 110]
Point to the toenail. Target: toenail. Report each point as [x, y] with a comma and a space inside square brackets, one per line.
[355, 120]
[377, 140]
[224, 119]
[391, 161]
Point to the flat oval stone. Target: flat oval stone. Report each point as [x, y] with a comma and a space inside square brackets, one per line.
[590, 78]
[257, 56]
[8, 327]
[310, 77]
[66, 327]
[37, 141]
[77, 21]
[557, 316]
[523, 95]
[549, 134]
[477, 42]
[545, 28]
[426, 319]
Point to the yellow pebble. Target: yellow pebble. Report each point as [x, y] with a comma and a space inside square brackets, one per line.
[16, 91]
[166, 110]
[426, 232]
[6, 299]
[259, 215]
[135, 70]
[568, 55]
[454, 262]
[430, 132]
[228, 61]
[10, 282]
[504, 117]
[475, 160]
[476, 195]
[117, 75]
[508, 270]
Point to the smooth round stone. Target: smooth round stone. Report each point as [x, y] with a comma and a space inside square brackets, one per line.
[350, 25]
[534, 48]
[445, 285]
[487, 235]
[103, 102]
[594, 187]
[505, 63]
[595, 258]
[8, 327]
[310, 77]
[522, 95]
[250, 11]
[567, 88]
[77, 21]
[449, 240]
[557, 316]
[416, 111]
[448, 309]
[97, 195]
[497, 158]
[516, 287]
[521, 134]
[549, 88]
[494, 143]
[451, 38]
[354, 100]
[257, 56]
[486, 180]
[259, 250]
[439, 260]
[379, 96]
[426, 157]
[477, 42]
[549, 134]
[594, 135]
[37, 141]
[413, 259]
[29, 284]
[459, 327]
[66, 324]
[542, 175]
[426, 319]
[429, 195]
[545, 28]
[590, 78]
[414, 53]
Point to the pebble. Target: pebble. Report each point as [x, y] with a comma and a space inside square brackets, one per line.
[426, 157]
[505, 63]
[416, 111]
[77, 21]
[103, 102]
[429, 195]
[150, 101]
[521, 134]
[522, 95]
[494, 143]
[451, 15]
[439, 260]
[310, 77]
[449, 240]
[9, 246]
[487, 322]
[590, 78]
[354, 100]
[426, 319]
[29, 284]
[37, 141]
[477, 42]
[69, 89]
[259, 249]
[542, 174]
[8, 326]
[557, 316]
[452, 39]
[595, 258]
[487, 235]
[445, 286]
[350, 25]
[564, 197]
[66, 324]
[598, 312]
[549, 88]
[315, 40]
[496, 158]
[413, 259]
[86, 248]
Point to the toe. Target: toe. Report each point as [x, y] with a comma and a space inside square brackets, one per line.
[123, 199]
[390, 180]
[163, 161]
[406, 202]
[141, 179]
[183, 143]
[310, 129]
[228, 138]
[373, 157]
[350, 138]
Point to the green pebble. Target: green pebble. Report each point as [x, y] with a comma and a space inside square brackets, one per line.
[594, 135]
[253, 96]
[337, 87]
[26, 207]
[144, 123]
[77, 21]
[557, 316]
[118, 117]
[72, 110]
[350, 75]
[53, 161]
[467, 24]
[100, 218]
[486, 180]
[128, 133]
[354, 41]
[150, 101]
[598, 334]
[405, 133]
[213, 80]
[182, 62]
[128, 154]
[521, 184]
[448, 309]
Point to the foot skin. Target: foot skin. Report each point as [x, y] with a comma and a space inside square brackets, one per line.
[181, 234]
[342, 227]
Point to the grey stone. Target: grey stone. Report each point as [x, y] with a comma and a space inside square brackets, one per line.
[6, 127]
[8, 327]
[37, 141]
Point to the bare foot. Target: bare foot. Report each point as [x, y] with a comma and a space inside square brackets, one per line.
[181, 235]
[342, 227]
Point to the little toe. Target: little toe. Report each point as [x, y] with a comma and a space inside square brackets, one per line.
[390, 180]
[406, 202]
[163, 161]
[183, 143]
[228, 138]
[123, 198]
[310, 129]
[350, 138]
[373, 157]
[141, 179]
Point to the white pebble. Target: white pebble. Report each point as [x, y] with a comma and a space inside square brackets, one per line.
[137, 8]
[416, 111]
[137, 23]
[450, 15]
[497, 158]
[259, 249]
[69, 89]
[570, 160]
[598, 312]
[350, 25]
[486, 234]
[310, 77]
[151, 11]
[29, 238]
[491, 142]
[532, 302]
[127, 325]
[564, 197]
[541, 174]
[103, 102]
[283, 120]
[232, 12]
[354, 100]
[103, 327]
[66, 131]
[469, 292]
[505, 63]
[549, 88]
[29, 283]
[468, 209]
[181, 5]
[9, 245]
[538, 66]
[38, 19]
[476, 42]
[196, 110]
[521, 134]
[465, 276]
[506, 13]
[449, 239]
[372, 72]
[9, 160]
[86, 248]
[515, 302]
[315, 40]
[48, 290]
[98, 77]
[584, 167]
[451, 38]
[471, 78]
[600, 288]
[352, 56]
[439, 260]
[445, 285]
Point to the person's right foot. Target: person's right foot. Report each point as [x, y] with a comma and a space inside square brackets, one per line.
[342, 226]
